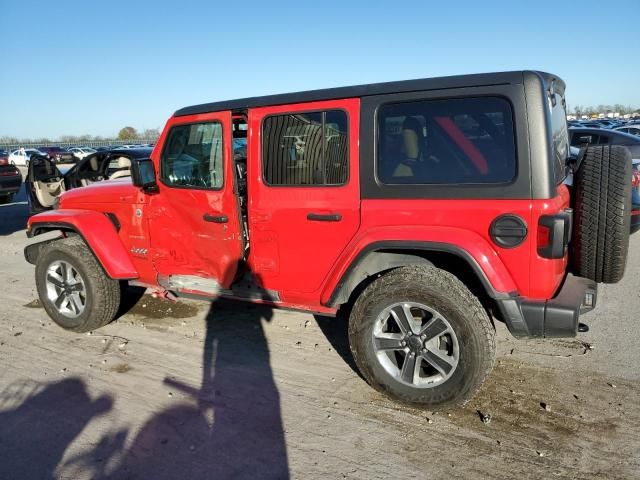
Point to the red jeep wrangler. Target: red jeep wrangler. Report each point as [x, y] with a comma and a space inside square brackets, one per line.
[424, 208]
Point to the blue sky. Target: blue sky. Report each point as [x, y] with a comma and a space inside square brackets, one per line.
[72, 67]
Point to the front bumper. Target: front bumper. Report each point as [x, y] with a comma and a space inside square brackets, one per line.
[557, 317]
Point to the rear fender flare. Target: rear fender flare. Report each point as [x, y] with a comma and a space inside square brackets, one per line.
[98, 232]
[378, 256]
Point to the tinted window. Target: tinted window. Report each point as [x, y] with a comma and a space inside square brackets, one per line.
[305, 148]
[559, 135]
[467, 140]
[192, 156]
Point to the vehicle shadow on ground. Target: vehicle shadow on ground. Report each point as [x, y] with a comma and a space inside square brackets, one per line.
[14, 215]
[336, 331]
[230, 427]
[38, 422]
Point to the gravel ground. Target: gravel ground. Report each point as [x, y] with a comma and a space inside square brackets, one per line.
[231, 390]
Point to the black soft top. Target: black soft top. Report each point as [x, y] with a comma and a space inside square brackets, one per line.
[438, 83]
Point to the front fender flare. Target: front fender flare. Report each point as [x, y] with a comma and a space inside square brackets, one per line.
[98, 232]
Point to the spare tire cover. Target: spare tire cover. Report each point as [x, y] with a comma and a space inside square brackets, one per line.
[602, 214]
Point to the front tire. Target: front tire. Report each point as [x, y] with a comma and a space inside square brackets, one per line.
[73, 287]
[420, 336]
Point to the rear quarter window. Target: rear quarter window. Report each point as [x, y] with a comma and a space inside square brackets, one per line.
[559, 135]
[452, 141]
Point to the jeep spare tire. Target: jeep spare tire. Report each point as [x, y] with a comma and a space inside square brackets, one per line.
[602, 213]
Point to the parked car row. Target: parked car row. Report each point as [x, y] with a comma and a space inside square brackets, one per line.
[46, 181]
[21, 156]
[625, 126]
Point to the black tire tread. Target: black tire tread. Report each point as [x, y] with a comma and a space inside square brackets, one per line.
[105, 291]
[404, 279]
[602, 214]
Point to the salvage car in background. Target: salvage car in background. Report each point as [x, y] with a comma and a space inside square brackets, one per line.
[81, 152]
[46, 182]
[10, 178]
[21, 156]
[59, 154]
[630, 129]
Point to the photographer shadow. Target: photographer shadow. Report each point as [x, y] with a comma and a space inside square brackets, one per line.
[231, 427]
[35, 434]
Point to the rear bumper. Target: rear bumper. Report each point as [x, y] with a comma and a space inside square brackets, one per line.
[557, 317]
[10, 184]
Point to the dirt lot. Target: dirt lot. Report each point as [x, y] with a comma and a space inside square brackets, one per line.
[195, 390]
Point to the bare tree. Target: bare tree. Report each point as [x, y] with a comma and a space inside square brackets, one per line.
[151, 133]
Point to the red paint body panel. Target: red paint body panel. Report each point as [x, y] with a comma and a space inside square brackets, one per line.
[464, 224]
[100, 235]
[289, 253]
[181, 241]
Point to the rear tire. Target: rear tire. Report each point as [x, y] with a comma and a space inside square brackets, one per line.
[73, 287]
[451, 337]
[602, 214]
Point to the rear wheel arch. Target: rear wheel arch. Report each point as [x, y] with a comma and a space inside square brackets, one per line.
[381, 257]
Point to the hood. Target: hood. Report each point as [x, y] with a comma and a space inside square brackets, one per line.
[107, 191]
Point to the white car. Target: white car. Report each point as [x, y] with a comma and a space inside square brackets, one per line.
[82, 152]
[632, 129]
[21, 156]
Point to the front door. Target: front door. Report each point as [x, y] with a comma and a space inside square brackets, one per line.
[194, 222]
[44, 182]
[304, 191]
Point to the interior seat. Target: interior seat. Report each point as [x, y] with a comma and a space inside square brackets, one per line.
[124, 168]
[92, 166]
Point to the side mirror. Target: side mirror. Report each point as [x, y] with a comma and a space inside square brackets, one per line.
[143, 175]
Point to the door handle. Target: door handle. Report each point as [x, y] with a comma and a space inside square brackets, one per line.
[207, 217]
[324, 217]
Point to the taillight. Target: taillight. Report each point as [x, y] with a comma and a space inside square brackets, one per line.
[9, 173]
[635, 179]
[554, 234]
[544, 236]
